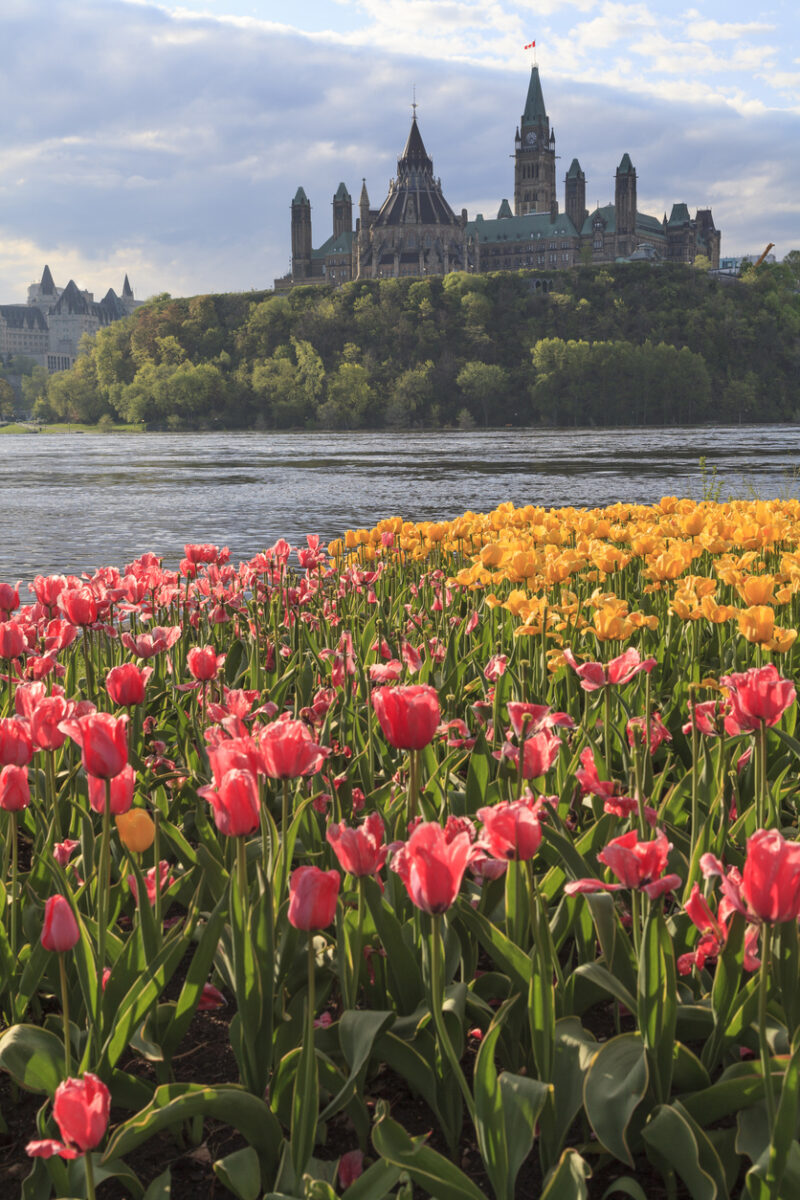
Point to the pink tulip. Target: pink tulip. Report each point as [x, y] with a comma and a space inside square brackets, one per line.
[312, 897]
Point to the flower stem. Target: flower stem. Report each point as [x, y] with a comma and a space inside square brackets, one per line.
[90, 1192]
[14, 874]
[437, 1000]
[413, 785]
[103, 886]
[763, 990]
[65, 1013]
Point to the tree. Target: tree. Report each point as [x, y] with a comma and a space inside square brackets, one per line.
[483, 386]
[349, 397]
[6, 400]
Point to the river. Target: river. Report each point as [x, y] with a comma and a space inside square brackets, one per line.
[73, 502]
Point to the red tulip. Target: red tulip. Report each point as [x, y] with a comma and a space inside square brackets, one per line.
[15, 742]
[532, 718]
[538, 753]
[235, 803]
[636, 864]
[312, 897]
[758, 697]
[15, 792]
[408, 715]
[431, 867]
[12, 640]
[46, 719]
[60, 930]
[511, 830]
[210, 998]
[359, 851]
[351, 1166]
[658, 731]
[204, 662]
[126, 684]
[79, 605]
[81, 1108]
[9, 597]
[771, 876]
[103, 742]
[620, 670]
[122, 786]
[288, 750]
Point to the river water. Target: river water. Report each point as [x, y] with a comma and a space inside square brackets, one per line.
[73, 502]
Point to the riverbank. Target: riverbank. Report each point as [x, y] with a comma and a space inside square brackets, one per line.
[63, 427]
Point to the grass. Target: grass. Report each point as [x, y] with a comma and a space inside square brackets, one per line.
[64, 427]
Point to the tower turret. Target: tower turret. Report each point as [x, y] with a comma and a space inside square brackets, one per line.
[625, 206]
[342, 211]
[575, 194]
[535, 156]
[301, 236]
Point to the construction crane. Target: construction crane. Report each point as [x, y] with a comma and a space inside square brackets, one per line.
[771, 246]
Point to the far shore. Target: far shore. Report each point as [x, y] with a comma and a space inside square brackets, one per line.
[64, 427]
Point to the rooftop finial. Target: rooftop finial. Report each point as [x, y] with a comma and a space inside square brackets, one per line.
[414, 105]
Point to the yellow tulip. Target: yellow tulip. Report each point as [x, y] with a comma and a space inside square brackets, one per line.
[136, 830]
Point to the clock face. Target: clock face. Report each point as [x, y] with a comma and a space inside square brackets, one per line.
[530, 138]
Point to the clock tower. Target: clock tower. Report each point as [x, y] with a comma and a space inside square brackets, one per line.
[535, 156]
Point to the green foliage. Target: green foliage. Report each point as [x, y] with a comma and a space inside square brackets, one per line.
[634, 345]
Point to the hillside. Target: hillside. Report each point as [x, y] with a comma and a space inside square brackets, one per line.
[628, 344]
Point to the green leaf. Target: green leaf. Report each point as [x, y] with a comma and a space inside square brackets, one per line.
[605, 979]
[402, 966]
[358, 1030]
[575, 1048]
[241, 1173]
[615, 1086]
[196, 978]
[160, 1188]
[175, 1103]
[508, 957]
[567, 1181]
[478, 773]
[376, 1182]
[431, 1171]
[625, 1187]
[677, 1142]
[305, 1107]
[33, 1057]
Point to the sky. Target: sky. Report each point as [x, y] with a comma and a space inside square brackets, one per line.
[166, 139]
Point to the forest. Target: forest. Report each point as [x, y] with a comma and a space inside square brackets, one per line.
[624, 344]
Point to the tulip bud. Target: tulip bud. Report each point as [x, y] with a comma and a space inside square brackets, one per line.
[60, 930]
[312, 897]
[15, 791]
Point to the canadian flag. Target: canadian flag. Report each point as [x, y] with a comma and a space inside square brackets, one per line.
[529, 46]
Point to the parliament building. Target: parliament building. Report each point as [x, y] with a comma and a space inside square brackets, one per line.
[416, 232]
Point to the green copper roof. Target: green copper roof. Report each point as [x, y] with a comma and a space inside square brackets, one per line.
[504, 210]
[647, 224]
[342, 193]
[300, 197]
[574, 170]
[626, 166]
[519, 229]
[679, 215]
[534, 104]
[343, 244]
[609, 216]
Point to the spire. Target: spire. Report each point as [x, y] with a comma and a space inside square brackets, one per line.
[127, 290]
[300, 197]
[534, 104]
[363, 200]
[414, 156]
[574, 171]
[342, 193]
[47, 287]
[625, 165]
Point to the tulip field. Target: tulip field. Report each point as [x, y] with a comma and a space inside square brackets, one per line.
[452, 859]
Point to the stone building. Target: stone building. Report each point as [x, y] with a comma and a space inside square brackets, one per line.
[416, 232]
[50, 326]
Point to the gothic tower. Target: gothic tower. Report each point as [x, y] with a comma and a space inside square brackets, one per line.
[535, 156]
[301, 236]
[625, 206]
[342, 211]
[575, 194]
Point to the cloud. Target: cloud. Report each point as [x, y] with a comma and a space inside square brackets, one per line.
[170, 146]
